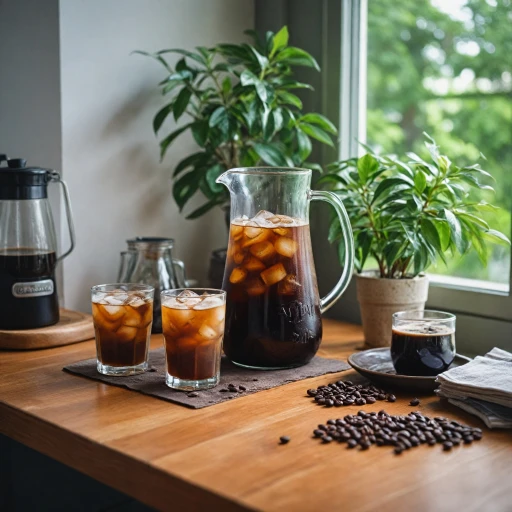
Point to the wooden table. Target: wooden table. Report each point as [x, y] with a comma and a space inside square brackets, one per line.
[227, 457]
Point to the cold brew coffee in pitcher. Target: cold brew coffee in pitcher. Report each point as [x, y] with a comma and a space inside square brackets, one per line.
[273, 308]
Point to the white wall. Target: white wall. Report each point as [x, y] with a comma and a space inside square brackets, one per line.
[110, 157]
[30, 87]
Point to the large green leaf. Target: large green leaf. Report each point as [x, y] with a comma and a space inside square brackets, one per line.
[296, 57]
[155, 56]
[270, 155]
[211, 176]
[218, 116]
[392, 252]
[420, 181]
[170, 86]
[290, 83]
[181, 103]
[161, 116]
[304, 145]
[431, 234]
[165, 143]
[184, 188]
[234, 51]
[200, 131]
[496, 236]
[443, 230]
[390, 185]
[247, 78]
[333, 179]
[316, 133]
[261, 59]
[366, 165]
[335, 232]
[364, 244]
[320, 121]
[194, 160]
[291, 99]
[455, 231]
[194, 56]
[280, 40]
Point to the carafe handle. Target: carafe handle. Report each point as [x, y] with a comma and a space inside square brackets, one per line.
[55, 176]
[348, 262]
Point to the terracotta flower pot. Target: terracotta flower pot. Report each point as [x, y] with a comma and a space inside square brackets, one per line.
[379, 298]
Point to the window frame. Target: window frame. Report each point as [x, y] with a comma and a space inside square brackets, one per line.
[463, 296]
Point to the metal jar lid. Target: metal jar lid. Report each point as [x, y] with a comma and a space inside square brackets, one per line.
[150, 243]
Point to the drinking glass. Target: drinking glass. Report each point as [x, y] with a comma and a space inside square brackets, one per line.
[122, 316]
[193, 328]
[422, 342]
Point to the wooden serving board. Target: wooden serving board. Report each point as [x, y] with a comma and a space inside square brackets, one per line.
[72, 327]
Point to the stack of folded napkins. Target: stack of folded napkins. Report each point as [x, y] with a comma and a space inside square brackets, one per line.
[482, 387]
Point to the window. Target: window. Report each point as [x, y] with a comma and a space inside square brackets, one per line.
[445, 67]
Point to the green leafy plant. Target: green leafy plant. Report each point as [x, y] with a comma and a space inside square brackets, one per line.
[406, 215]
[238, 103]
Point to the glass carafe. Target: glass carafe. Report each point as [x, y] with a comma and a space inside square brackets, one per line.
[129, 258]
[273, 308]
[154, 266]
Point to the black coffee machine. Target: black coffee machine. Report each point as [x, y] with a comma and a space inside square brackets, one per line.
[28, 245]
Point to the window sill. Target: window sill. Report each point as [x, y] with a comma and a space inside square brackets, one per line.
[469, 285]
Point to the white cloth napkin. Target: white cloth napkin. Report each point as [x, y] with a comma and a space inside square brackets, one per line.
[482, 387]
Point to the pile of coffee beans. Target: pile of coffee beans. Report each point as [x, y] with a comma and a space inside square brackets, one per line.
[402, 432]
[345, 392]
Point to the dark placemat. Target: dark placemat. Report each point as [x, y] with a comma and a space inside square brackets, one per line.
[153, 382]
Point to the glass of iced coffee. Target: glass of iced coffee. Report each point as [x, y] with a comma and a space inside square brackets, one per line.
[193, 327]
[122, 316]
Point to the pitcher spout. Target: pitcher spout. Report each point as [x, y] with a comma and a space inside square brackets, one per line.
[226, 178]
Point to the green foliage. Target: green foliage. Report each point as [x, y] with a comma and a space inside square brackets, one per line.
[406, 215]
[444, 67]
[241, 110]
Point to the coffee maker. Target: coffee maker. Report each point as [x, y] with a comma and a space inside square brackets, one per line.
[28, 245]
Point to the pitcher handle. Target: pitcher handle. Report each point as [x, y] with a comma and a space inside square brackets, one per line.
[348, 262]
[55, 176]
[182, 279]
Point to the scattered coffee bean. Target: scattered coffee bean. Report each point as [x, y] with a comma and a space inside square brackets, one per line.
[284, 439]
[223, 390]
[402, 432]
[192, 395]
[391, 398]
[242, 388]
[414, 402]
[255, 380]
[341, 393]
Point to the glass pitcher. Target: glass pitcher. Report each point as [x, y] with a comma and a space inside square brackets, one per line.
[154, 266]
[273, 309]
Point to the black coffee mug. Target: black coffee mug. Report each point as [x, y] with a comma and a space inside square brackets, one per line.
[422, 342]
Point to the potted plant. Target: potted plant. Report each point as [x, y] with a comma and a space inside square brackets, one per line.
[406, 216]
[238, 102]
